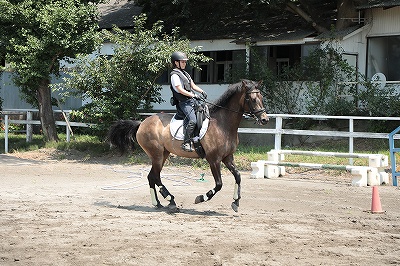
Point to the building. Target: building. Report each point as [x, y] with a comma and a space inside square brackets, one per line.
[371, 44]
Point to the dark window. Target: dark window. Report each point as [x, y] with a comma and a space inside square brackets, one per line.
[384, 57]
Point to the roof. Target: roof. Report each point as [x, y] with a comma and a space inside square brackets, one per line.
[339, 34]
[379, 4]
[272, 28]
[118, 12]
[255, 24]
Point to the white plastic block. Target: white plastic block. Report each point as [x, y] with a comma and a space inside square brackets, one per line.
[373, 177]
[271, 171]
[282, 170]
[383, 178]
[359, 176]
[378, 161]
[257, 169]
[275, 156]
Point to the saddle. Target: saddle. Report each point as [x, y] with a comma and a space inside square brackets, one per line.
[202, 116]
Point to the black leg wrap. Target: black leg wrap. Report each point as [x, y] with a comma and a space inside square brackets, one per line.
[210, 194]
[165, 193]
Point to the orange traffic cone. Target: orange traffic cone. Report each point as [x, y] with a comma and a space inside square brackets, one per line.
[376, 201]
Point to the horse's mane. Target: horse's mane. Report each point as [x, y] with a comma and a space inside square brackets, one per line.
[225, 97]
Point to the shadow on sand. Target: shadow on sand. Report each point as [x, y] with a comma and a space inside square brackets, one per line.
[163, 209]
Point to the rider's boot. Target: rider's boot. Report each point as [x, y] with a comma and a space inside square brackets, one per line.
[187, 141]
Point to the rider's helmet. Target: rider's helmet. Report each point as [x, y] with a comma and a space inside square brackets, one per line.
[178, 56]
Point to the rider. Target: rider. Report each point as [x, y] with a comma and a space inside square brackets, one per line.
[183, 88]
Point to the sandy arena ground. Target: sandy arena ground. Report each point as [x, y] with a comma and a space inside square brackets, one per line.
[80, 213]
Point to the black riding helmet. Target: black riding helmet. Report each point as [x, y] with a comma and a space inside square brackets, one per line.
[178, 56]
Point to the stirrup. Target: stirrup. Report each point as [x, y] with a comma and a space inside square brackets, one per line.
[187, 147]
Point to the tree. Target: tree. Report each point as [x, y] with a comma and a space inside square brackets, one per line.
[36, 35]
[121, 84]
[320, 14]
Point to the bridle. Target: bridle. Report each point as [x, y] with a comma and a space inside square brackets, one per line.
[253, 113]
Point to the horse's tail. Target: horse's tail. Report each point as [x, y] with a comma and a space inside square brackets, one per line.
[122, 135]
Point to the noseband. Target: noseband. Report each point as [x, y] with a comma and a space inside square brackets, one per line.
[253, 112]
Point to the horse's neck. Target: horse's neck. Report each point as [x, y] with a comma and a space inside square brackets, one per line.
[231, 115]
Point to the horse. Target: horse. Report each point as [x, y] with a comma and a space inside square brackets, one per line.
[219, 142]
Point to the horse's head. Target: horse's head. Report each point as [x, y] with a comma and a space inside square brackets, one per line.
[254, 101]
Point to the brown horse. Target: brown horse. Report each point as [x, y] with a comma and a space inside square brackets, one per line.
[219, 143]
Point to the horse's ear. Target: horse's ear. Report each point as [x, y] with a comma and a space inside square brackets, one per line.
[259, 83]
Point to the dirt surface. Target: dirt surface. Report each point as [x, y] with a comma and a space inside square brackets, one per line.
[72, 212]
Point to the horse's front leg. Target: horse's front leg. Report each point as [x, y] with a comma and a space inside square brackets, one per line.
[216, 171]
[228, 161]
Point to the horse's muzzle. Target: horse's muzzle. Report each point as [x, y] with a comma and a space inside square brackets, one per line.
[264, 121]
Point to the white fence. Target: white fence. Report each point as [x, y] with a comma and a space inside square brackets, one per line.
[278, 131]
[29, 122]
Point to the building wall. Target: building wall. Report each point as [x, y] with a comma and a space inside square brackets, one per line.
[384, 21]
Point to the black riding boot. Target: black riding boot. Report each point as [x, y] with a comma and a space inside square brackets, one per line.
[187, 141]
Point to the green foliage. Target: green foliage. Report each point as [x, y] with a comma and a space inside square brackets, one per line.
[36, 35]
[120, 85]
[379, 101]
[324, 68]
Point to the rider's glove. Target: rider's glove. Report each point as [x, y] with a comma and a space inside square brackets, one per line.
[197, 97]
[204, 94]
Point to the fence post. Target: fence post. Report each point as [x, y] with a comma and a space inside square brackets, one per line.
[351, 147]
[6, 134]
[29, 127]
[278, 134]
[68, 131]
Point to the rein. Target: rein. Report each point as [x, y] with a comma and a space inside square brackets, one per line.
[253, 113]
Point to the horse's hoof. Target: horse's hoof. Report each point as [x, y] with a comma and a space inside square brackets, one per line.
[173, 209]
[158, 206]
[199, 199]
[235, 207]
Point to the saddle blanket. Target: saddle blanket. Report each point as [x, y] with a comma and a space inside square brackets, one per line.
[177, 125]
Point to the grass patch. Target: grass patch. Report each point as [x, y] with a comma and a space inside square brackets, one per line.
[84, 143]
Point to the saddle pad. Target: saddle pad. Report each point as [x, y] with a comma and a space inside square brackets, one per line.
[177, 125]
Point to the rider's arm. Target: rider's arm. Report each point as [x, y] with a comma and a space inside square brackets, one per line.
[176, 83]
[178, 86]
[195, 87]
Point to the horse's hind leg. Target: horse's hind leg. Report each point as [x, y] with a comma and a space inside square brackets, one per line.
[151, 178]
[228, 161]
[155, 179]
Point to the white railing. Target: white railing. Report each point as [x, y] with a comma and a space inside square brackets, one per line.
[278, 131]
[29, 122]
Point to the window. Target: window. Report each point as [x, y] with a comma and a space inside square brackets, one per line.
[218, 70]
[384, 57]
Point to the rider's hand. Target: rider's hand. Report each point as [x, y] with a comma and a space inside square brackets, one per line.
[204, 94]
[197, 97]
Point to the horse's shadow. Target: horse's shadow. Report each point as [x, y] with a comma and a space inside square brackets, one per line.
[167, 210]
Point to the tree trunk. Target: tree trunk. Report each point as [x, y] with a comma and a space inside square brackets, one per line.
[46, 111]
[293, 8]
[346, 12]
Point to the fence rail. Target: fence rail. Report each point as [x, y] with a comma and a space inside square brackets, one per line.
[278, 131]
[29, 122]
